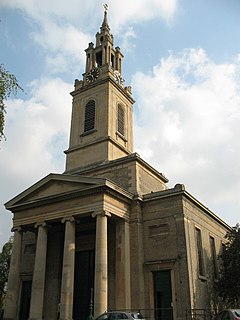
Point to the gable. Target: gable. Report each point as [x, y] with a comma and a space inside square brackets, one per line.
[53, 188]
[54, 185]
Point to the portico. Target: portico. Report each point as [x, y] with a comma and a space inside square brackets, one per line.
[81, 229]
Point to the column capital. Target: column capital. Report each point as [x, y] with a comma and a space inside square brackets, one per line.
[16, 228]
[70, 219]
[101, 213]
[40, 224]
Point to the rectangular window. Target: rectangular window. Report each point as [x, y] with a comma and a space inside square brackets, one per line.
[213, 257]
[121, 120]
[99, 59]
[112, 60]
[89, 121]
[200, 253]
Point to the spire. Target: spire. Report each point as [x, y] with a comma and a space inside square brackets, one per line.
[105, 25]
[103, 53]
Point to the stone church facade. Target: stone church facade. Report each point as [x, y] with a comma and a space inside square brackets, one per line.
[109, 222]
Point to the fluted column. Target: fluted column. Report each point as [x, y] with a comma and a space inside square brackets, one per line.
[12, 298]
[66, 305]
[101, 268]
[38, 283]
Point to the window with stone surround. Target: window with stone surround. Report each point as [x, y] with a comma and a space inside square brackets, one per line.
[201, 268]
[89, 120]
[120, 120]
[213, 257]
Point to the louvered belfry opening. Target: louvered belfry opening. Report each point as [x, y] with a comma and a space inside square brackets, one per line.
[121, 121]
[89, 121]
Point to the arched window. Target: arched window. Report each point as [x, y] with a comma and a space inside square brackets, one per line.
[121, 120]
[89, 121]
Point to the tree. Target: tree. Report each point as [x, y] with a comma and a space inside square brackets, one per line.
[228, 285]
[8, 85]
[5, 257]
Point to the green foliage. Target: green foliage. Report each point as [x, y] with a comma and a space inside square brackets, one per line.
[5, 257]
[228, 285]
[8, 85]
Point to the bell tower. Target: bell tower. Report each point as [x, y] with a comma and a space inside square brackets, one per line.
[101, 125]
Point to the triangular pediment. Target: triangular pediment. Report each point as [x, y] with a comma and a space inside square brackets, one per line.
[54, 185]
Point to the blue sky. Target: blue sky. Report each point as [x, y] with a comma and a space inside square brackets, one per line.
[182, 59]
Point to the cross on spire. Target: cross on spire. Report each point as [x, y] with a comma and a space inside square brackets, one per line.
[105, 22]
[105, 6]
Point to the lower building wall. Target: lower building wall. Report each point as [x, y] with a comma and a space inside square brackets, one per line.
[165, 251]
[211, 235]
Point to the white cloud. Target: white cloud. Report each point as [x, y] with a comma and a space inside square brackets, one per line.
[64, 46]
[54, 9]
[136, 11]
[188, 117]
[121, 12]
[127, 37]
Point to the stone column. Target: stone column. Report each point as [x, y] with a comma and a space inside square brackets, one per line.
[101, 269]
[137, 259]
[108, 56]
[123, 298]
[104, 55]
[38, 283]
[120, 65]
[66, 305]
[12, 298]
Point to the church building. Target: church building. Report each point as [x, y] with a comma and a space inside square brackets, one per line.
[109, 224]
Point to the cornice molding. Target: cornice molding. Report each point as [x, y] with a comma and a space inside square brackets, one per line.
[107, 187]
[101, 81]
[179, 190]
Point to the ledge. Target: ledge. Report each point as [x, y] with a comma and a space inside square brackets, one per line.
[86, 133]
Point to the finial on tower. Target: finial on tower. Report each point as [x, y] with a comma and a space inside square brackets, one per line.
[105, 6]
[105, 22]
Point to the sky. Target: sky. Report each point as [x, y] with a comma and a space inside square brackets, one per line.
[182, 59]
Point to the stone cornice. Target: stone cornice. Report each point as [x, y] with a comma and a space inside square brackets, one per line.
[54, 177]
[130, 158]
[98, 82]
[106, 186]
[103, 139]
[179, 190]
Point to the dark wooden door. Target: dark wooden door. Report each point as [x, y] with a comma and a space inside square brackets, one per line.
[163, 295]
[25, 300]
[83, 282]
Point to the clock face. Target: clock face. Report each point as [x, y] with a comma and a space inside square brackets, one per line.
[118, 78]
[92, 75]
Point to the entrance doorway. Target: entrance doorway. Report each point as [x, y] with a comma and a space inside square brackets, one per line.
[83, 282]
[162, 295]
[25, 300]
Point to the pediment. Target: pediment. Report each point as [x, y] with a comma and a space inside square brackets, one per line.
[54, 185]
